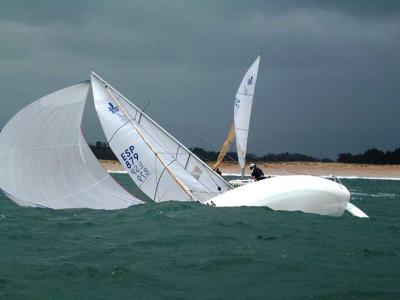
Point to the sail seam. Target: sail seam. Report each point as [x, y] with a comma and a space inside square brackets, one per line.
[37, 148]
[82, 190]
[117, 131]
[159, 179]
[244, 94]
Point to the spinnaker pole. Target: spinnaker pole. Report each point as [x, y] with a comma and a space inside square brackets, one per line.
[225, 147]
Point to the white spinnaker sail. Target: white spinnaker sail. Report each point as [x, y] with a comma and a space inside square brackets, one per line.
[160, 166]
[242, 110]
[46, 162]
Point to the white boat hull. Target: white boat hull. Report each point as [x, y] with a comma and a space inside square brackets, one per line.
[304, 193]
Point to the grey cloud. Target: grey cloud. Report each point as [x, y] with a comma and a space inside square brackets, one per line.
[329, 68]
[44, 12]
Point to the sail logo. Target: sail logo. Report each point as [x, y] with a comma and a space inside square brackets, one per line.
[250, 81]
[112, 108]
[237, 103]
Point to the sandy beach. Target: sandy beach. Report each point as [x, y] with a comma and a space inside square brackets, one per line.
[309, 168]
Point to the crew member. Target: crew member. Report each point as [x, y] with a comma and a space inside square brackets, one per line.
[217, 170]
[256, 173]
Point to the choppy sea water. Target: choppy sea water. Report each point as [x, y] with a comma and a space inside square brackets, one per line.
[187, 250]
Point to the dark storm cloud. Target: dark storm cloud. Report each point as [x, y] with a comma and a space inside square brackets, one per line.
[328, 79]
[44, 12]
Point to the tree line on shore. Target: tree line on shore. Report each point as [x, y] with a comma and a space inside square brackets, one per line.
[371, 156]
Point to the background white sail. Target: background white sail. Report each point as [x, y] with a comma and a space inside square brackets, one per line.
[46, 162]
[242, 110]
[155, 160]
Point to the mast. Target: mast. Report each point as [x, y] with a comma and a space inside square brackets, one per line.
[180, 183]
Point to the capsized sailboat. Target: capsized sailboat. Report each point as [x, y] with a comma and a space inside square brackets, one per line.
[166, 170]
[46, 162]
[296, 192]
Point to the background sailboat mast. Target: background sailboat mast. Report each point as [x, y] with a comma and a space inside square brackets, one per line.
[177, 180]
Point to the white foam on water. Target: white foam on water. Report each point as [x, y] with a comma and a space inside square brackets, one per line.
[377, 195]
[367, 177]
[117, 172]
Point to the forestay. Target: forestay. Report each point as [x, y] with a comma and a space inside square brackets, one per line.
[159, 165]
[46, 162]
[242, 110]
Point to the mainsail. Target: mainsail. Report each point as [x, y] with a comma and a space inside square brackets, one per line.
[46, 162]
[242, 111]
[159, 165]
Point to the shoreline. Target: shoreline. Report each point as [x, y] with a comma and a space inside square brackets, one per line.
[293, 168]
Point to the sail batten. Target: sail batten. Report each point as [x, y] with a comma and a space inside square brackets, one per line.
[162, 167]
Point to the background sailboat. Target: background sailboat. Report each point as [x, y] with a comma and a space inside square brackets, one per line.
[290, 195]
[242, 115]
[242, 111]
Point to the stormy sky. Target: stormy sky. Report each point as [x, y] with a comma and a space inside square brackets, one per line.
[328, 80]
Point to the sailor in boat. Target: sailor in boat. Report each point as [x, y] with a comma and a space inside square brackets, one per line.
[256, 173]
[218, 171]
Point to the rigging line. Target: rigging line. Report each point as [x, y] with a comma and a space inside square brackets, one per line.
[211, 143]
[140, 117]
[178, 181]
[193, 130]
[214, 145]
[167, 114]
[212, 179]
[145, 107]
[187, 161]
[198, 142]
[137, 111]
[177, 151]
